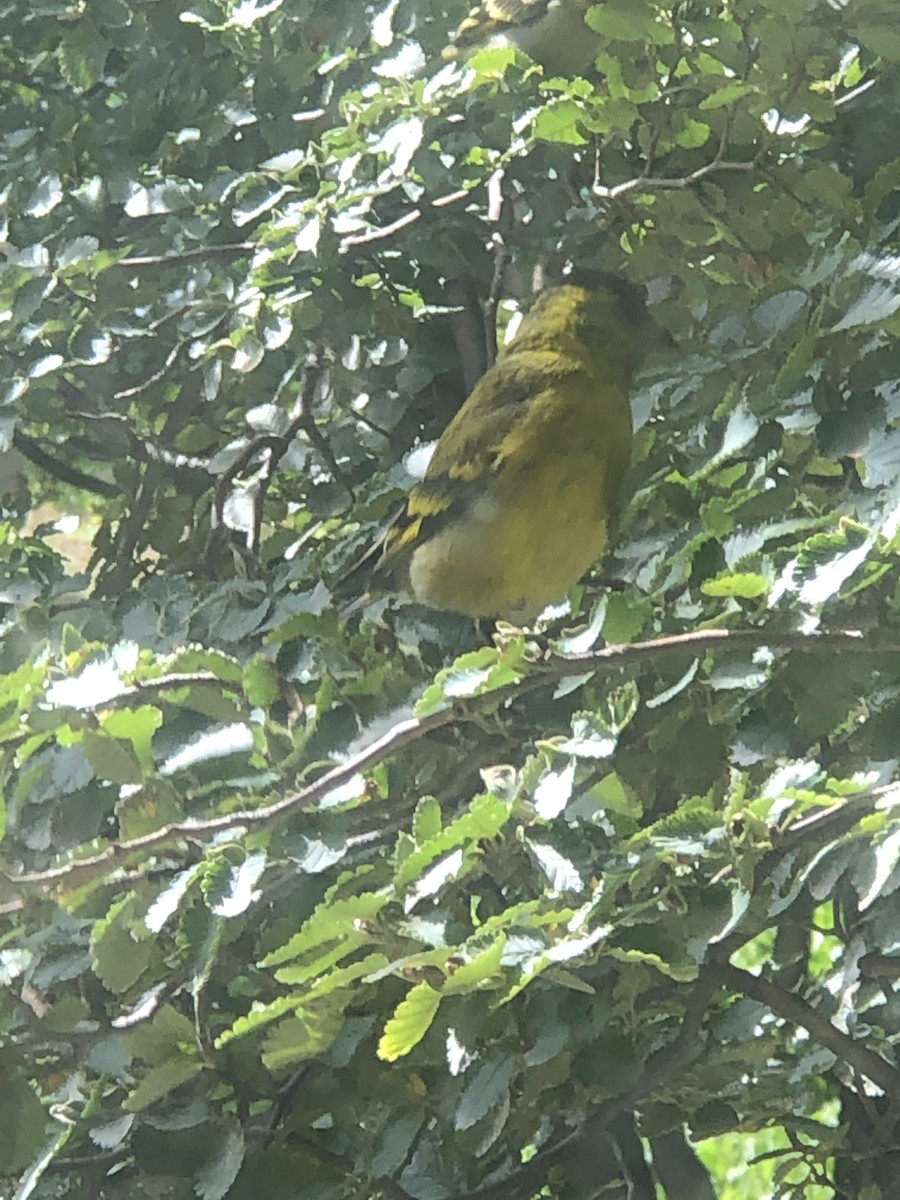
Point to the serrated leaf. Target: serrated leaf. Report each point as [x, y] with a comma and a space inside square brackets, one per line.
[157, 1040]
[621, 24]
[331, 920]
[561, 122]
[683, 972]
[23, 1121]
[219, 1172]
[472, 674]
[877, 303]
[160, 1081]
[409, 1023]
[306, 1035]
[153, 806]
[485, 965]
[138, 726]
[112, 1134]
[779, 312]
[239, 891]
[235, 738]
[591, 737]
[341, 977]
[119, 955]
[486, 816]
[434, 879]
[870, 883]
[554, 791]
[262, 683]
[395, 1142]
[727, 95]
[427, 819]
[745, 584]
[111, 759]
[484, 1090]
[260, 1014]
[96, 683]
[559, 871]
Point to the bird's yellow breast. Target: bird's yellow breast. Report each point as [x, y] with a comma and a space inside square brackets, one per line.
[542, 518]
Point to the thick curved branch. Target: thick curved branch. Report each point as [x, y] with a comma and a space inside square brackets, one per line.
[796, 1010]
[35, 454]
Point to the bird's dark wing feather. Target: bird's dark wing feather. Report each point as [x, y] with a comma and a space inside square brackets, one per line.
[463, 458]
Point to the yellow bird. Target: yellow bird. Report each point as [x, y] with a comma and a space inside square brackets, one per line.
[552, 32]
[515, 504]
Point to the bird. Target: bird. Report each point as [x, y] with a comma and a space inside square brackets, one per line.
[552, 32]
[516, 501]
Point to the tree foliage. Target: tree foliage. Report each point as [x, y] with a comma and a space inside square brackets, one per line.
[296, 903]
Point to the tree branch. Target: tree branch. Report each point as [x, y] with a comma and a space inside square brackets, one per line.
[409, 218]
[796, 1010]
[658, 1068]
[70, 874]
[234, 250]
[847, 640]
[407, 732]
[35, 454]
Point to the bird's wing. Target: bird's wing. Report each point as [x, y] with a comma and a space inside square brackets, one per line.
[472, 446]
[513, 12]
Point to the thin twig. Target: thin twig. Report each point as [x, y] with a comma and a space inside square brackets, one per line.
[232, 250]
[646, 183]
[409, 218]
[383, 231]
[499, 214]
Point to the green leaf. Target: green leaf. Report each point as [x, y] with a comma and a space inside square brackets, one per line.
[554, 791]
[486, 816]
[726, 95]
[157, 1040]
[111, 759]
[561, 874]
[591, 738]
[220, 1170]
[561, 122]
[395, 1144]
[484, 1091]
[744, 584]
[161, 1081]
[876, 873]
[262, 684]
[334, 926]
[153, 806]
[409, 1023]
[138, 726]
[484, 966]
[121, 950]
[427, 819]
[619, 23]
[306, 1036]
[23, 1122]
